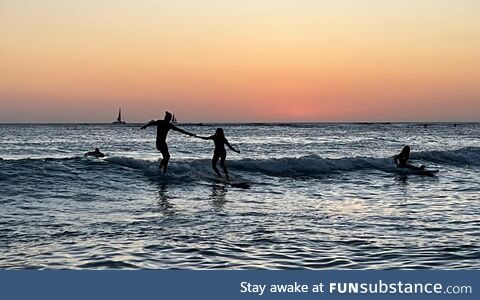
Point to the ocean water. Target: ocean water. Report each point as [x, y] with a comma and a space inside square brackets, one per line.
[314, 196]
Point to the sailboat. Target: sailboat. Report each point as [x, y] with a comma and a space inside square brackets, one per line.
[174, 120]
[119, 118]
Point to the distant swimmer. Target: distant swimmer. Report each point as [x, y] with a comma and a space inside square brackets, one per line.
[163, 126]
[220, 152]
[402, 159]
[95, 153]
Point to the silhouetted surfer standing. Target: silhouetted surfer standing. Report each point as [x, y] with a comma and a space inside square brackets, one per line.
[163, 126]
[219, 153]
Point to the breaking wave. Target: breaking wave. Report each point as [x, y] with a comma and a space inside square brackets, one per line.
[198, 169]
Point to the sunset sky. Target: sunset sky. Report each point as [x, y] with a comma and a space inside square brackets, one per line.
[249, 60]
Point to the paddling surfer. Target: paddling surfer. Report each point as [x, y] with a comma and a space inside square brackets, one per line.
[163, 126]
[95, 153]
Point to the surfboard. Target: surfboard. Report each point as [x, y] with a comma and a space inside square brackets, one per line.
[424, 172]
[233, 182]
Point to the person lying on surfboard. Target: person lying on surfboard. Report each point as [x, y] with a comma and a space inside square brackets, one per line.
[95, 153]
[219, 153]
[163, 126]
[402, 158]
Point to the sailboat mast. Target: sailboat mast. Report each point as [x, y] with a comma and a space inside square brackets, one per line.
[119, 119]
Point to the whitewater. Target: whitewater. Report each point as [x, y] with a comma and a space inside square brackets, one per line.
[319, 196]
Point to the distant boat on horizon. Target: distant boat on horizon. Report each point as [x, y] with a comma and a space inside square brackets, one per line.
[174, 120]
[119, 118]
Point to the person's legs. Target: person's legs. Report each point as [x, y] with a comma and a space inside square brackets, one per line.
[222, 163]
[214, 164]
[166, 159]
[163, 148]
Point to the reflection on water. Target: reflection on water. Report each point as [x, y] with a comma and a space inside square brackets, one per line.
[402, 182]
[163, 197]
[402, 179]
[218, 195]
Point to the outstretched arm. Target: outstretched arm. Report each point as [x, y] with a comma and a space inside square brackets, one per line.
[151, 123]
[205, 137]
[230, 146]
[173, 127]
[396, 159]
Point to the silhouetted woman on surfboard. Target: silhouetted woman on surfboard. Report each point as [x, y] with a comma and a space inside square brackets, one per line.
[220, 153]
[402, 158]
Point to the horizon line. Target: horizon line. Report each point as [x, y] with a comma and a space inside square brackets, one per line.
[252, 122]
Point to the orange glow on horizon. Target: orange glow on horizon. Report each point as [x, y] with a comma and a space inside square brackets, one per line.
[240, 61]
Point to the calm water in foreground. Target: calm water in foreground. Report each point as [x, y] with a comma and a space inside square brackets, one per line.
[315, 196]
